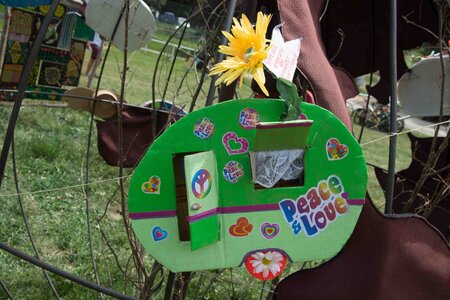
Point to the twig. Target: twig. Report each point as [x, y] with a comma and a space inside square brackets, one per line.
[137, 254]
[211, 281]
[116, 258]
[169, 286]
[341, 43]
[262, 290]
[434, 155]
[244, 289]
[423, 28]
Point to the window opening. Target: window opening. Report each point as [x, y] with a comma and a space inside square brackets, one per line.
[278, 168]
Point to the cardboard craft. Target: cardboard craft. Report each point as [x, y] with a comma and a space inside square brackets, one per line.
[193, 204]
[141, 26]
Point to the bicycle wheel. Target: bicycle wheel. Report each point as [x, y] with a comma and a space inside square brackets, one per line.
[400, 125]
[358, 116]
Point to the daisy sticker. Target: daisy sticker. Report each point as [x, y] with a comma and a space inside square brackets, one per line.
[266, 265]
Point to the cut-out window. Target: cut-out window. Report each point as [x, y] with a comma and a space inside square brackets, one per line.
[279, 154]
[278, 168]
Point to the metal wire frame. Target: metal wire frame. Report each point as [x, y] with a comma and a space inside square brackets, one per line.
[62, 273]
[21, 92]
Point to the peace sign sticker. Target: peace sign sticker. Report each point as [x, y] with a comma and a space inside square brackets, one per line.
[201, 184]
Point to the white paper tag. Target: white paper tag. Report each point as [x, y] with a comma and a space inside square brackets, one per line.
[282, 56]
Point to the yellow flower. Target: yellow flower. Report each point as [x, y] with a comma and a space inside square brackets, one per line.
[246, 50]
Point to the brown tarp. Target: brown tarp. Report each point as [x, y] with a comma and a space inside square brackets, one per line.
[365, 45]
[137, 135]
[385, 258]
[331, 86]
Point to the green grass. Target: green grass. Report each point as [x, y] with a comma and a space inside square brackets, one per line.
[50, 151]
[183, 81]
[377, 154]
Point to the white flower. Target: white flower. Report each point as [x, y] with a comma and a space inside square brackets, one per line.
[267, 262]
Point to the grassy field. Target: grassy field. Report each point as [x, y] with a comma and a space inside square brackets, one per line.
[50, 150]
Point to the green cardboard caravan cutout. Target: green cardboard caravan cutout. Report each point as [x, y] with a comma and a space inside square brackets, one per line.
[195, 203]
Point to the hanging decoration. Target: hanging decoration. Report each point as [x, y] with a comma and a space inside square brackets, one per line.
[250, 181]
[208, 210]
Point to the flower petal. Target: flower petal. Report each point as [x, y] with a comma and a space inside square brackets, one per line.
[261, 268]
[260, 79]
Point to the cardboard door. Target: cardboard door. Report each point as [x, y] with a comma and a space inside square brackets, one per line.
[202, 198]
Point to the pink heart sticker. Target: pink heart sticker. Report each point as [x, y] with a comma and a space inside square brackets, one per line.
[234, 144]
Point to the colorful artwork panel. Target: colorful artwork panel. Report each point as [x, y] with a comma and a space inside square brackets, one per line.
[54, 67]
[15, 52]
[53, 31]
[34, 73]
[21, 22]
[51, 74]
[82, 31]
[77, 49]
[45, 93]
[59, 12]
[11, 73]
[75, 63]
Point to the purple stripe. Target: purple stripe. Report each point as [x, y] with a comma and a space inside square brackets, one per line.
[284, 125]
[153, 214]
[356, 201]
[220, 210]
[233, 210]
[203, 215]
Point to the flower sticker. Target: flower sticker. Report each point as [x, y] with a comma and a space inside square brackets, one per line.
[266, 265]
[246, 50]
